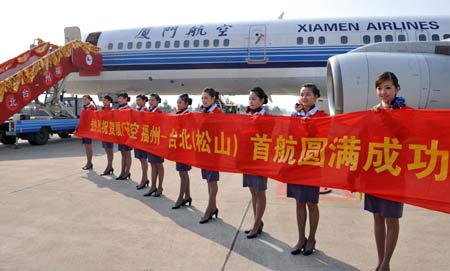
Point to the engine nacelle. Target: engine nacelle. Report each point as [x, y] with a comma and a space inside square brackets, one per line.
[424, 79]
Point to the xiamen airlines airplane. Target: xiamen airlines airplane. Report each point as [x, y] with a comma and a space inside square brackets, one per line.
[279, 56]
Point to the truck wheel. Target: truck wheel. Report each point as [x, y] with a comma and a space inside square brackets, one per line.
[64, 135]
[39, 138]
[8, 140]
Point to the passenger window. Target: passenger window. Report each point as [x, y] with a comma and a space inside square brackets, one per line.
[120, 46]
[130, 45]
[148, 44]
[321, 40]
[167, 44]
[446, 36]
[186, 44]
[389, 38]
[196, 43]
[226, 42]
[435, 37]
[366, 39]
[110, 46]
[401, 37]
[299, 40]
[310, 40]
[206, 43]
[216, 43]
[138, 45]
[157, 44]
[422, 37]
[377, 38]
[176, 44]
[344, 39]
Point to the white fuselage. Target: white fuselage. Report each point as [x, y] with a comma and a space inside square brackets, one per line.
[279, 56]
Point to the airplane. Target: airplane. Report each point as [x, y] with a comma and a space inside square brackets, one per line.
[342, 56]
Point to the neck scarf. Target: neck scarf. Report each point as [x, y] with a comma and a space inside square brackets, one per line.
[254, 111]
[397, 103]
[208, 109]
[302, 113]
[183, 111]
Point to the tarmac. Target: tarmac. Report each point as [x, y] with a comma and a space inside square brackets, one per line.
[56, 216]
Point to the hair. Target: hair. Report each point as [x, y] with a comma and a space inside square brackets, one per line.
[156, 96]
[386, 76]
[260, 93]
[87, 96]
[314, 88]
[107, 97]
[142, 97]
[185, 98]
[124, 95]
[211, 92]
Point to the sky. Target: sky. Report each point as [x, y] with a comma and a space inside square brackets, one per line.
[23, 21]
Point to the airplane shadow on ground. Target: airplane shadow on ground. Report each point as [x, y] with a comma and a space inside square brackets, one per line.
[265, 250]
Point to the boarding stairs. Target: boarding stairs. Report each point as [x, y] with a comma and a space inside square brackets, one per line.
[25, 77]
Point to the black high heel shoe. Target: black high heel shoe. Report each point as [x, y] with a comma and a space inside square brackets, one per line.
[158, 192]
[248, 231]
[178, 205]
[300, 249]
[187, 201]
[149, 193]
[142, 186]
[259, 231]
[310, 251]
[88, 167]
[206, 220]
[107, 172]
[128, 176]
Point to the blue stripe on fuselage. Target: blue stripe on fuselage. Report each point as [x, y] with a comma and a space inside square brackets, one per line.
[185, 66]
[221, 58]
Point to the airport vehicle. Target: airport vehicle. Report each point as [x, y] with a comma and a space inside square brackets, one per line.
[278, 55]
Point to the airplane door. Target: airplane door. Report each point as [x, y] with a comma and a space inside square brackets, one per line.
[424, 82]
[257, 44]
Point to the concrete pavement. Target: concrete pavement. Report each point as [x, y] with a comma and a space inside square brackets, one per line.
[55, 216]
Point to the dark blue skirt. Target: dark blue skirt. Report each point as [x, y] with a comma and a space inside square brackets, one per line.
[210, 176]
[259, 183]
[107, 145]
[124, 148]
[86, 141]
[154, 159]
[182, 167]
[303, 193]
[140, 154]
[386, 208]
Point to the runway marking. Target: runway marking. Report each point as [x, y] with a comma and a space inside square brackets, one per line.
[336, 194]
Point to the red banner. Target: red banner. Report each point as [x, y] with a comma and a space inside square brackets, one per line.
[401, 155]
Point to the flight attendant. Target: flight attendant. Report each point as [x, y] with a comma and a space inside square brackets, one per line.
[386, 213]
[87, 142]
[184, 197]
[108, 146]
[305, 195]
[256, 184]
[155, 161]
[141, 100]
[209, 106]
[125, 151]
